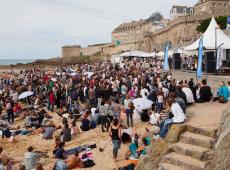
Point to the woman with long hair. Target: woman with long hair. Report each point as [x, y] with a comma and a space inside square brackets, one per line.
[115, 134]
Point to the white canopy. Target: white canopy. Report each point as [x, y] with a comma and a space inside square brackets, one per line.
[134, 54]
[213, 32]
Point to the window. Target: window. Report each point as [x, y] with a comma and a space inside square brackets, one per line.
[219, 4]
[184, 10]
[214, 4]
[225, 5]
[191, 11]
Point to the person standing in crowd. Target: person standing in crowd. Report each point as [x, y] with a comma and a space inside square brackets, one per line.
[115, 134]
[116, 108]
[51, 101]
[9, 110]
[92, 97]
[160, 101]
[129, 114]
[104, 112]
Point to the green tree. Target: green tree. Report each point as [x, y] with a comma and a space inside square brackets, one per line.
[221, 21]
[156, 16]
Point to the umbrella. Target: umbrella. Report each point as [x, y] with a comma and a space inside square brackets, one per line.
[25, 95]
[142, 104]
[54, 79]
[89, 74]
[73, 74]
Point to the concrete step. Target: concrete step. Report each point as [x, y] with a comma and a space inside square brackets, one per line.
[185, 162]
[166, 166]
[210, 132]
[196, 139]
[194, 151]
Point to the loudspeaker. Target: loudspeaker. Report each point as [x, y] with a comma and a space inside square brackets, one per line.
[209, 62]
[176, 61]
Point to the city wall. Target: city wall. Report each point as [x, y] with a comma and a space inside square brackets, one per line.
[179, 32]
[76, 50]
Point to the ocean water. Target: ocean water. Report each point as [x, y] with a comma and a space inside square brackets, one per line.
[15, 61]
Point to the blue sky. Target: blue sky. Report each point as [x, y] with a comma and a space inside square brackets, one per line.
[39, 28]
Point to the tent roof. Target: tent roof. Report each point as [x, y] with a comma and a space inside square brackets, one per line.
[134, 54]
[209, 38]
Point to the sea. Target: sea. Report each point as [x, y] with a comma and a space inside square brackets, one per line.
[15, 61]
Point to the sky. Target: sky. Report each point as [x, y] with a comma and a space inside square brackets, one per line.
[39, 28]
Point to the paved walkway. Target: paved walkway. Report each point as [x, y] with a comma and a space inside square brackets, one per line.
[206, 115]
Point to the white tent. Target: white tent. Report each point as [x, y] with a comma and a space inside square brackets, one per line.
[212, 37]
[134, 54]
[160, 54]
[116, 58]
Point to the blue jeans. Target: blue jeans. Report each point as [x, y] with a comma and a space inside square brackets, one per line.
[160, 107]
[165, 128]
[116, 147]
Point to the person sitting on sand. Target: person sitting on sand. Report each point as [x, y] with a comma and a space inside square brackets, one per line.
[60, 151]
[74, 161]
[74, 128]
[66, 134]
[85, 123]
[48, 132]
[31, 158]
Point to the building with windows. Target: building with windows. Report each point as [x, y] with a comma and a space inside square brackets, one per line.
[178, 11]
[210, 6]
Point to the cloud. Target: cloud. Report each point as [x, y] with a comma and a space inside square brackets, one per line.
[38, 28]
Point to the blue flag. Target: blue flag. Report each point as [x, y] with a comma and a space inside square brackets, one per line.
[166, 58]
[199, 72]
[228, 23]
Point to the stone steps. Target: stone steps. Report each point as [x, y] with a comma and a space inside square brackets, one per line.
[190, 150]
[197, 139]
[206, 132]
[184, 162]
[166, 166]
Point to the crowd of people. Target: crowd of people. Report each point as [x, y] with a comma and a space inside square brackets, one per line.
[94, 94]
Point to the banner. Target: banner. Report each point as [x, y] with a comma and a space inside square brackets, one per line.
[199, 72]
[117, 42]
[166, 58]
[219, 56]
[228, 23]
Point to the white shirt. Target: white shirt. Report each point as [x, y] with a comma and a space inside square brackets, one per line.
[165, 91]
[189, 94]
[143, 92]
[178, 113]
[153, 118]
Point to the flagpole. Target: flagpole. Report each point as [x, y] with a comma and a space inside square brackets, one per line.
[201, 39]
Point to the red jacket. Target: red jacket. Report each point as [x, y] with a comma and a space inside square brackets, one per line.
[52, 98]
